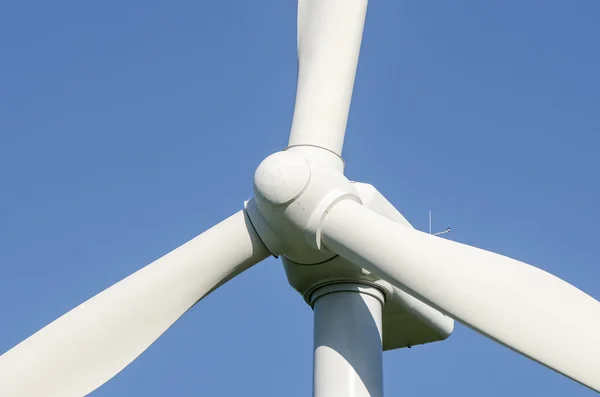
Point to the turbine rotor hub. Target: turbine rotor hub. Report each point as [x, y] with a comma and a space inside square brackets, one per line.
[281, 178]
[292, 195]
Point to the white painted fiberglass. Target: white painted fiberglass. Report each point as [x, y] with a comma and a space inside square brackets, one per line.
[89, 345]
[520, 306]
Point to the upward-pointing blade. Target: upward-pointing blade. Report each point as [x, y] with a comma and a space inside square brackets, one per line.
[329, 37]
[93, 342]
[518, 305]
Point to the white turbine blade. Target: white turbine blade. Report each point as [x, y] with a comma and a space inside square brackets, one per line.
[518, 305]
[329, 37]
[87, 346]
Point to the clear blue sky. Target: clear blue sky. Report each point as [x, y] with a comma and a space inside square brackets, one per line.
[126, 128]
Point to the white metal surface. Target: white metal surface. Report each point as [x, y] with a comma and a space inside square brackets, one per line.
[518, 305]
[86, 347]
[281, 178]
[347, 341]
[406, 320]
[291, 196]
[409, 322]
[329, 38]
[375, 201]
[323, 157]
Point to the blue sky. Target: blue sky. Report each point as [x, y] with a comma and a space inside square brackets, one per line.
[128, 128]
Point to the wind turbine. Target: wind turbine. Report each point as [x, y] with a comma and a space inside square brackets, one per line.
[374, 282]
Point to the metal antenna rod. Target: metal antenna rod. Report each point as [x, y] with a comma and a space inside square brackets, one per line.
[429, 221]
[444, 232]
